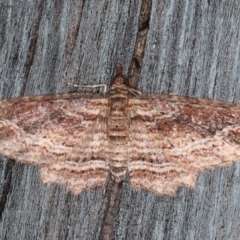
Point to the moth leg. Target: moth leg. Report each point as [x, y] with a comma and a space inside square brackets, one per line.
[134, 91]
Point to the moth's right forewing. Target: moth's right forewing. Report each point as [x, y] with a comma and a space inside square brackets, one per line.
[64, 135]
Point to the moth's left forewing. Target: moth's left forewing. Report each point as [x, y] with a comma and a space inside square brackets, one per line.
[149, 168]
[172, 138]
[64, 135]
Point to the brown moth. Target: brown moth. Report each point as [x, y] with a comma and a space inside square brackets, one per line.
[80, 139]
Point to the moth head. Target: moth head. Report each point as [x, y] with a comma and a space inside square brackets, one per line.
[119, 79]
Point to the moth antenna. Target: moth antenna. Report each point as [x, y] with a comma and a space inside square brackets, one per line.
[87, 86]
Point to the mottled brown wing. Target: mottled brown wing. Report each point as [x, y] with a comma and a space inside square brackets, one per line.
[172, 138]
[64, 135]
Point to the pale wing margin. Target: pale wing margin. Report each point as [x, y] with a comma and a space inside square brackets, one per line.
[173, 138]
[64, 135]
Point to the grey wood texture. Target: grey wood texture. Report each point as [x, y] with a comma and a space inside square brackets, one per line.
[192, 49]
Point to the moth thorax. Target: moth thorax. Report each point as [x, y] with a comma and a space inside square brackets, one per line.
[118, 130]
[117, 125]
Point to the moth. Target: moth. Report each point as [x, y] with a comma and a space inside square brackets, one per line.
[161, 142]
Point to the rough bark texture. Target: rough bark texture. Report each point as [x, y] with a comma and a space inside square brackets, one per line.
[192, 49]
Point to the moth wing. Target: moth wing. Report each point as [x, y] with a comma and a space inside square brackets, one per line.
[173, 138]
[64, 135]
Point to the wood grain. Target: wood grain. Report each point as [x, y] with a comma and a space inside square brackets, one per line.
[191, 49]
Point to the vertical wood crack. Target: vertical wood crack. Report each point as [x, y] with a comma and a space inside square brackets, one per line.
[112, 193]
[71, 39]
[32, 46]
[138, 54]
[7, 166]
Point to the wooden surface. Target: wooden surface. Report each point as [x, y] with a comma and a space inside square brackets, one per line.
[192, 49]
